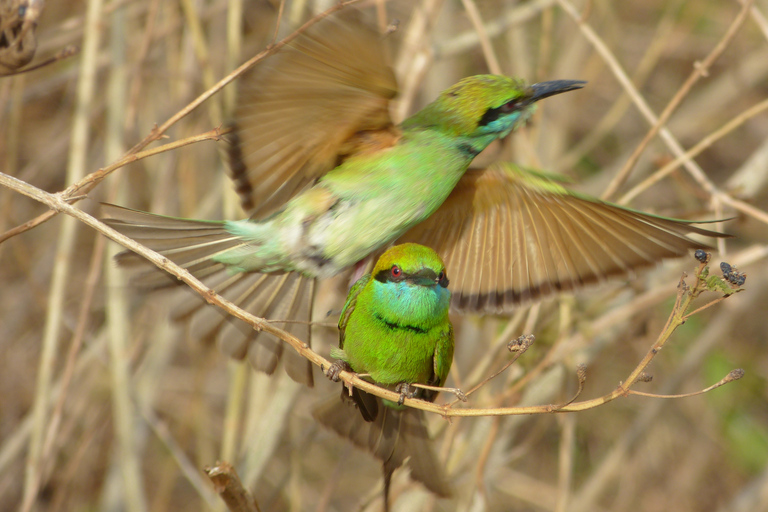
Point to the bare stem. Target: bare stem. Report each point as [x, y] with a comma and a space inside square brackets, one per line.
[685, 296]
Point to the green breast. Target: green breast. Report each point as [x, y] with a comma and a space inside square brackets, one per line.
[399, 337]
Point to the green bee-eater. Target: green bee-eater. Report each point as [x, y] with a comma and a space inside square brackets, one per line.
[329, 180]
[395, 328]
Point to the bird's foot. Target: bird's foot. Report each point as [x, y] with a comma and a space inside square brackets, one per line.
[334, 371]
[405, 390]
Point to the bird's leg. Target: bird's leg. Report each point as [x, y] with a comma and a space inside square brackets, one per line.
[333, 372]
[455, 391]
[405, 390]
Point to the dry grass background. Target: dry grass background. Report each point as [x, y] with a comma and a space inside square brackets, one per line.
[104, 404]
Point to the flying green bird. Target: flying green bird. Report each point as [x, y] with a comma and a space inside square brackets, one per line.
[395, 328]
[329, 180]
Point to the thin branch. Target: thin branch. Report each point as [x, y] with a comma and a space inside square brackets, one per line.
[157, 132]
[700, 69]
[187, 467]
[228, 485]
[482, 34]
[89, 286]
[64, 53]
[693, 169]
[685, 297]
[77, 191]
[706, 142]
[65, 244]
[518, 347]
[732, 376]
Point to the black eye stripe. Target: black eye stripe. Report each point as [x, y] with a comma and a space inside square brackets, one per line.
[384, 276]
[493, 114]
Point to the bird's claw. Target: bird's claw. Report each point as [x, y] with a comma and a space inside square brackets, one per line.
[334, 371]
[405, 390]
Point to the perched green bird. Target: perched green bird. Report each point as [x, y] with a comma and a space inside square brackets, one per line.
[395, 328]
[329, 180]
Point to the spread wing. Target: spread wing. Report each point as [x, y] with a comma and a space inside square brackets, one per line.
[509, 235]
[303, 112]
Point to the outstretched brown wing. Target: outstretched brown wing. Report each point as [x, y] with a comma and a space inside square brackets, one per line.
[509, 235]
[298, 114]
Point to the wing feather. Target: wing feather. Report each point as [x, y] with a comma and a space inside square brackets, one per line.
[299, 113]
[509, 235]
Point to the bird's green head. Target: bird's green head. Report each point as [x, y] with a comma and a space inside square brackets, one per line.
[412, 264]
[410, 286]
[486, 105]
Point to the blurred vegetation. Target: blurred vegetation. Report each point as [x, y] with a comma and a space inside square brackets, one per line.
[107, 405]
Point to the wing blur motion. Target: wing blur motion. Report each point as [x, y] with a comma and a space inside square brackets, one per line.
[298, 115]
[509, 235]
[191, 244]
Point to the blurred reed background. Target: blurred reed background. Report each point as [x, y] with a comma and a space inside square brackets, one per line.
[107, 405]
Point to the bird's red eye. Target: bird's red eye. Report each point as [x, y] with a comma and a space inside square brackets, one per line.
[396, 271]
[509, 106]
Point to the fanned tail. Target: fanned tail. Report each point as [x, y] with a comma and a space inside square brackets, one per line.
[192, 244]
[392, 437]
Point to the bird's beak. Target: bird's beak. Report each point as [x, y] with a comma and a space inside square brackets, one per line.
[543, 90]
[424, 277]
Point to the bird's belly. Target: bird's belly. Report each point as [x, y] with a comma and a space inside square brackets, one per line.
[355, 229]
[372, 208]
[394, 356]
[350, 231]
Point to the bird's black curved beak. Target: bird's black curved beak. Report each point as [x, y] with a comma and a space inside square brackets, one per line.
[543, 90]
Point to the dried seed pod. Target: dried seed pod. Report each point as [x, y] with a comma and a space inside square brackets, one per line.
[18, 20]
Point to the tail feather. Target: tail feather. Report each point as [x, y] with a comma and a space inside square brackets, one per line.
[192, 244]
[394, 437]
[414, 441]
